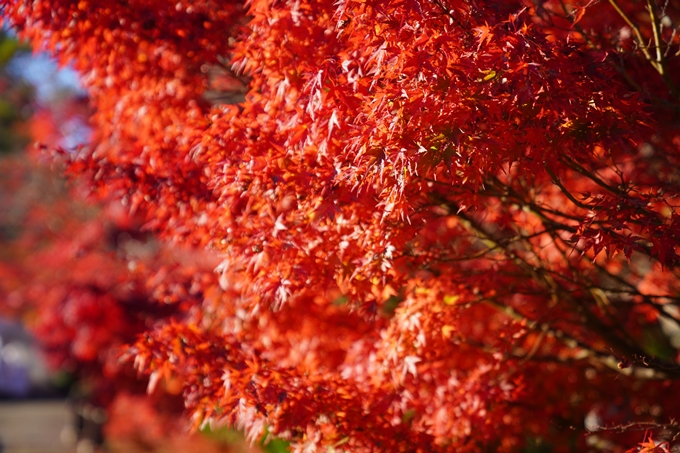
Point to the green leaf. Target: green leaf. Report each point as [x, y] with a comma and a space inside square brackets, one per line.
[276, 446]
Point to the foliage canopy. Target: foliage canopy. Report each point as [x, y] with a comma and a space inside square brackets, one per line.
[444, 225]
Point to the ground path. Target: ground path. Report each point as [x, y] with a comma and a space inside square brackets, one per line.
[36, 427]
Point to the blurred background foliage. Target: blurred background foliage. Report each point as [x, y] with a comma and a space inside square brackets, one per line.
[16, 98]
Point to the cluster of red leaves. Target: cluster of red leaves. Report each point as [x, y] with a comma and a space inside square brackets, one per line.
[139, 423]
[441, 223]
[87, 281]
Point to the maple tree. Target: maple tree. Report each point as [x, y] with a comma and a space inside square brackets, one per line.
[442, 226]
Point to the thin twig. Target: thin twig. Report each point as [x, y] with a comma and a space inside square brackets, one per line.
[636, 30]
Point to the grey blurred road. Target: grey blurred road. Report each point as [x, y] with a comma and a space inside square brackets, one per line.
[36, 427]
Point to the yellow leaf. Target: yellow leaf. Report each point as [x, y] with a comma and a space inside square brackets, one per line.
[490, 75]
[450, 300]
